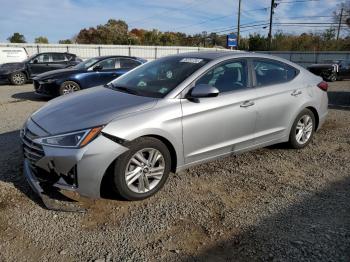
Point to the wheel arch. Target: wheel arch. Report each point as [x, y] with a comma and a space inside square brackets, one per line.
[317, 118]
[105, 186]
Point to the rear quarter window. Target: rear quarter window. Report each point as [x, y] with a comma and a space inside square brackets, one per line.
[271, 72]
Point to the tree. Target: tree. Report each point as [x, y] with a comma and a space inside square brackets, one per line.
[65, 41]
[345, 15]
[17, 38]
[114, 32]
[41, 40]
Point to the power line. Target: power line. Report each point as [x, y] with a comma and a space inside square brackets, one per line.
[185, 7]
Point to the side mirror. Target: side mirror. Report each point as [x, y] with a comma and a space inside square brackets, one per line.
[97, 68]
[35, 61]
[204, 90]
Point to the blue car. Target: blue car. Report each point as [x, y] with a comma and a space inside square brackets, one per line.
[92, 72]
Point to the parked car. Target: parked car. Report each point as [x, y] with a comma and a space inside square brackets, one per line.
[20, 73]
[331, 70]
[168, 115]
[92, 72]
[12, 54]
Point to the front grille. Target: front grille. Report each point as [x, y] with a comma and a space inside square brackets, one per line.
[36, 84]
[31, 150]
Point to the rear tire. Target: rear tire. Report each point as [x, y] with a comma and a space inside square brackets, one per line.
[143, 170]
[332, 77]
[68, 87]
[18, 78]
[302, 130]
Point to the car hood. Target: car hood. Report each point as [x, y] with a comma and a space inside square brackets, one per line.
[88, 108]
[56, 73]
[11, 66]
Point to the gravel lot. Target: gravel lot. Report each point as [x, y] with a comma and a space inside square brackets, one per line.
[273, 204]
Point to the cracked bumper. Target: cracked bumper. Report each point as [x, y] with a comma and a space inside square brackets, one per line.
[89, 164]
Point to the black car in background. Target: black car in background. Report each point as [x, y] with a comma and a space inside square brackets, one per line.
[19, 73]
[331, 70]
[92, 72]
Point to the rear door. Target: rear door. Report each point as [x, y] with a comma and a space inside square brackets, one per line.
[59, 61]
[219, 125]
[280, 94]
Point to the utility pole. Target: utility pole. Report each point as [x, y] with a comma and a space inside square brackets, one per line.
[270, 27]
[340, 20]
[238, 23]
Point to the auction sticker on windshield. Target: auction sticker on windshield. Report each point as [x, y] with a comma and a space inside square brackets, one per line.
[191, 60]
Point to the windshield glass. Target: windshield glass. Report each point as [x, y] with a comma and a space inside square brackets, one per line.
[30, 58]
[159, 77]
[86, 64]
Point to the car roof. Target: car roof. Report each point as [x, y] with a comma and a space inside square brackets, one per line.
[117, 56]
[211, 55]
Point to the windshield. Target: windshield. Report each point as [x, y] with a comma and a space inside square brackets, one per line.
[86, 64]
[159, 77]
[30, 58]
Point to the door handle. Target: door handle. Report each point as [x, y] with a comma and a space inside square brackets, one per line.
[247, 104]
[296, 93]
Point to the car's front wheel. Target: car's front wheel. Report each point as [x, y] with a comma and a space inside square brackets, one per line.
[68, 87]
[18, 78]
[302, 130]
[143, 170]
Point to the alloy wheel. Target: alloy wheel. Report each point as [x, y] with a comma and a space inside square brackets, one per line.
[144, 170]
[18, 79]
[304, 129]
[69, 88]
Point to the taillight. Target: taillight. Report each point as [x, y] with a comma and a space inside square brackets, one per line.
[323, 85]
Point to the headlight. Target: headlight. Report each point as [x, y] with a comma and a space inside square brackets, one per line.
[76, 139]
[49, 81]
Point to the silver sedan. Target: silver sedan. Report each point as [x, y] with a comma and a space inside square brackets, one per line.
[168, 115]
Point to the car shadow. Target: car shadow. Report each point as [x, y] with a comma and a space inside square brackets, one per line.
[31, 96]
[339, 100]
[11, 170]
[315, 229]
[11, 162]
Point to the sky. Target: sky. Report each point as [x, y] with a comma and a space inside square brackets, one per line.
[62, 19]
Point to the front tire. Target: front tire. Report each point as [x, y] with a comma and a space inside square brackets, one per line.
[18, 78]
[68, 87]
[302, 130]
[143, 170]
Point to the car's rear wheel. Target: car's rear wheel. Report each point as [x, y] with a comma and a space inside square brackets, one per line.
[332, 77]
[302, 130]
[18, 78]
[68, 87]
[143, 170]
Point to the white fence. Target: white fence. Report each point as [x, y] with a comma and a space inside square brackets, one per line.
[88, 51]
[153, 52]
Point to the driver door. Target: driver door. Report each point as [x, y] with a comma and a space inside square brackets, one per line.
[217, 126]
[39, 64]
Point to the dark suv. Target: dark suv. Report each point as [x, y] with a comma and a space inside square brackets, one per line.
[19, 73]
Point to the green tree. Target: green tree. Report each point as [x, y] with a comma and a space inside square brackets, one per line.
[65, 41]
[41, 40]
[17, 38]
[114, 32]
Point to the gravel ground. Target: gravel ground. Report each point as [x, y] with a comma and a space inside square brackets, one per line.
[273, 204]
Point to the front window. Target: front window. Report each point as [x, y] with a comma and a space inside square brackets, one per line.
[159, 77]
[227, 77]
[86, 64]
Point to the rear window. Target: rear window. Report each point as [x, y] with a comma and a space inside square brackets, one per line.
[270, 72]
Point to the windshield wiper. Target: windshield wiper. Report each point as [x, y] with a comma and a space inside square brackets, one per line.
[122, 88]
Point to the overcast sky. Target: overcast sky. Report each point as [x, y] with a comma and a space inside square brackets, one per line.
[62, 19]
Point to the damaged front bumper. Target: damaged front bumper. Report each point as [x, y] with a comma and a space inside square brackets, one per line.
[75, 169]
